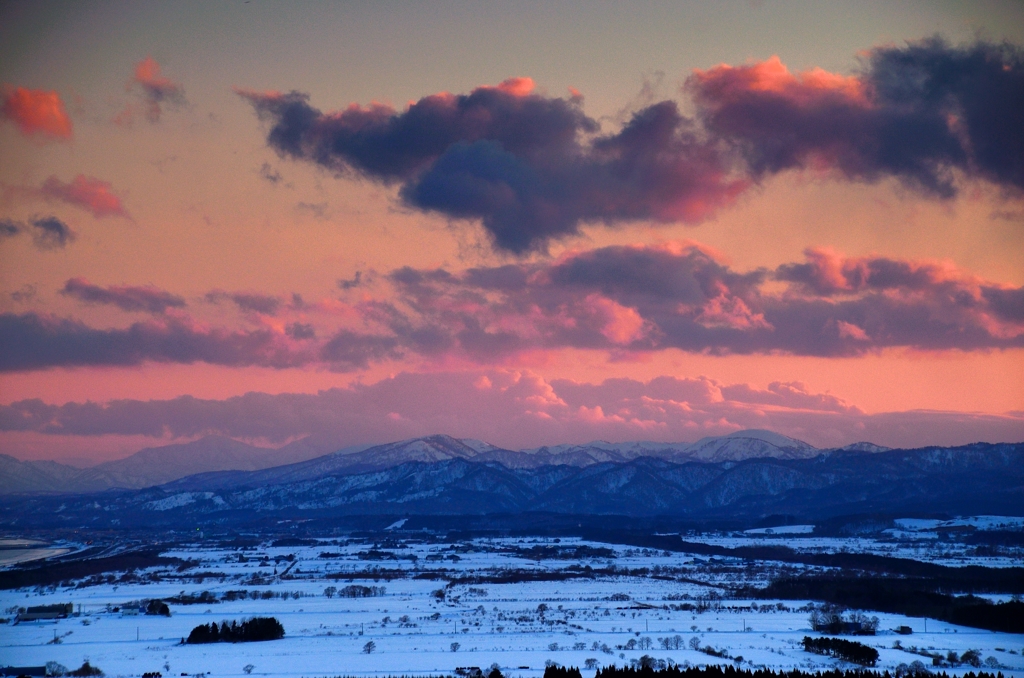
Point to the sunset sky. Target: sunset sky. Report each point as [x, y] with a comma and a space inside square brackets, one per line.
[527, 223]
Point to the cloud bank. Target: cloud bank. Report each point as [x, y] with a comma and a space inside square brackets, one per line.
[32, 341]
[625, 300]
[532, 168]
[516, 409]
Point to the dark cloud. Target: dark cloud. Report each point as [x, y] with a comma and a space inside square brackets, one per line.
[348, 350]
[530, 167]
[354, 282]
[247, 301]
[917, 113]
[31, 342]
[51, 233]
[300, 331]
[9, 229]
[26, 294]
[515, 409]
[149, 299]
[270, 174]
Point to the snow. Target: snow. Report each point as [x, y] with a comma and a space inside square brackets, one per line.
[178, 500]
[492, 622]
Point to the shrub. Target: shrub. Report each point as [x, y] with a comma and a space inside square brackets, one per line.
[86, 669]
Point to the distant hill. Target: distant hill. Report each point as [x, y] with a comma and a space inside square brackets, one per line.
[148, 467]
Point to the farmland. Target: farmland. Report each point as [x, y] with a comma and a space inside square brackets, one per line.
[401, 601]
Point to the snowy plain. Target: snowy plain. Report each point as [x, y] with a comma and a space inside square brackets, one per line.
[628, 605]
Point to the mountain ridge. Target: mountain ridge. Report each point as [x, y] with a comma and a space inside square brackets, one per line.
[218, 461]
[966, 480]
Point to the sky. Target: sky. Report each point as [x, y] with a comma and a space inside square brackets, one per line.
[526, 223]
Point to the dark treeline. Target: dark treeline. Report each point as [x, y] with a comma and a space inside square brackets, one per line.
[57, 572]
[995, 538]
[564, 553]
[562, 672]
[969, 579]
[847, 650]
[1007, 617]
[716, 671]
[912, 597]
[255, 629]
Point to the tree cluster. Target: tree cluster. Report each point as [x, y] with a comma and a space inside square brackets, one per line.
[847, 650]
[830, 619]
[360, 591]
[255, 629]
[158, 607]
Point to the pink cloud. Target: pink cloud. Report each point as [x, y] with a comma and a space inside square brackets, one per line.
[91, 194]
[916, 112]
[36, 112]
[517, 409]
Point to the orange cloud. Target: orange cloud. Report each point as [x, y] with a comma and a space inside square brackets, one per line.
[37, 112]
[772, 76]
[89, 193]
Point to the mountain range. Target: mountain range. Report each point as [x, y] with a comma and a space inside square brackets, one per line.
[309, 458]
[747, 475]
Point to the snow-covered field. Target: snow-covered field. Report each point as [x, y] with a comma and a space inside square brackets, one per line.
[444, 605]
